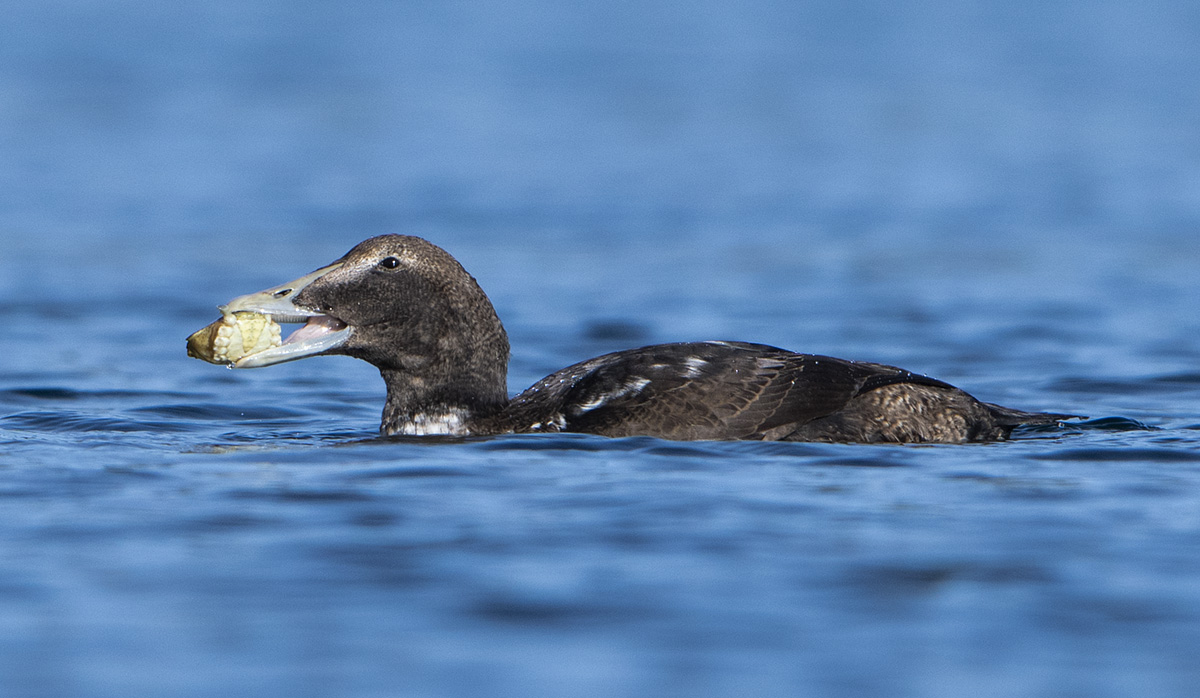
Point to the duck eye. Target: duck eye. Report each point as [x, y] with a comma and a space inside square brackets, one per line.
[389, 263]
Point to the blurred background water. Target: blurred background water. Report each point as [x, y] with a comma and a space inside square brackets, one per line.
[1005, 195]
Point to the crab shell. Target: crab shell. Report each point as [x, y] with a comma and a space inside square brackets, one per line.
[235, 335]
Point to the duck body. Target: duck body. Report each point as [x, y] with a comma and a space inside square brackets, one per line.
[738, 390]
[409, 308]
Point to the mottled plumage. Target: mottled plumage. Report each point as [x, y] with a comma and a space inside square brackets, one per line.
[736, 390]
[410, 309]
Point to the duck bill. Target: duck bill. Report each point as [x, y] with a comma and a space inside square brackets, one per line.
[320, 334]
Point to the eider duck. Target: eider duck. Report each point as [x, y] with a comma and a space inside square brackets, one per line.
[406, 306]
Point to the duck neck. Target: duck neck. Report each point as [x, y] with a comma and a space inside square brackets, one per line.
[459, 407]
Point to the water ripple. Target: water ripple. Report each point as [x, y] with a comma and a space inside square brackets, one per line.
[409, 472]
[219, 412]
[1174, 383]
[1122, 454]
[69, 421]
[58, 394]
[1109, 424]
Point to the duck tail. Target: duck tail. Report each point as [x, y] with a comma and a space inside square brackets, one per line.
[1008, 417]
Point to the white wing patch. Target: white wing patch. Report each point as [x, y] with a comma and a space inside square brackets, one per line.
[629, 388]
[557, 423]
[695, 365]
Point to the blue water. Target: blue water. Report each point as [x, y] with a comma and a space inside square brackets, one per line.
[1004, 195]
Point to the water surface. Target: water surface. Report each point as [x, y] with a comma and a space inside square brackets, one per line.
[1006, 197]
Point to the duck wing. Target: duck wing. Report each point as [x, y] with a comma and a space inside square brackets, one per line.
[700, 390]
